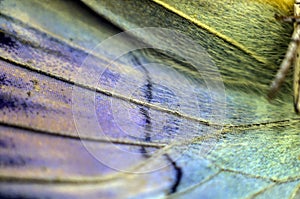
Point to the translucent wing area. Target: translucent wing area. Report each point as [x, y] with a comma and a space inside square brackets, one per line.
[150, 120]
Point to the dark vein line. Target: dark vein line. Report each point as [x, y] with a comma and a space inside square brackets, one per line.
[207, 179]
[75, 137]
[261, 191]
[226, 127]
[58, 180]
[289, 179]
[273, 185]
[155, 107]
[276, 123]
[295, 192]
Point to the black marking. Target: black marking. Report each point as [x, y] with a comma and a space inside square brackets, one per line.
[178, 175]
[145, 110]
[148, 94]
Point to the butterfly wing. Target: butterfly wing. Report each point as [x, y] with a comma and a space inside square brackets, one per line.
[42, 155]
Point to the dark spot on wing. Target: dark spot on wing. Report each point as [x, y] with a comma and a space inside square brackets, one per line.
[6, 143]
[13, 160]
[9, 80]
[14, 103]
[7, 40]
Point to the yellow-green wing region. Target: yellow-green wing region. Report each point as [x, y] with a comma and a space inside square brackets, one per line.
[147, 128]
[244, 31]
